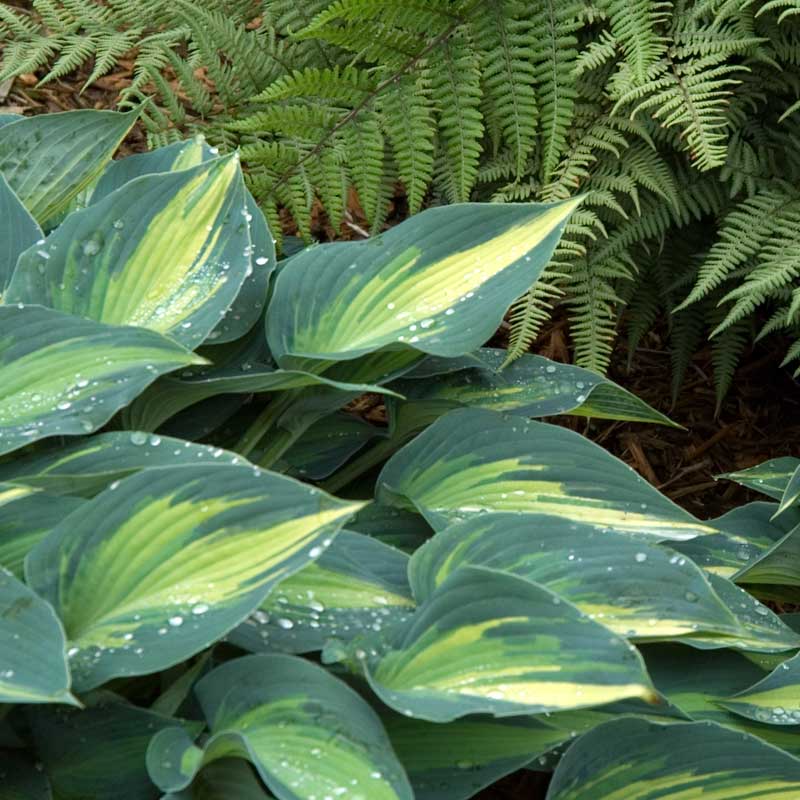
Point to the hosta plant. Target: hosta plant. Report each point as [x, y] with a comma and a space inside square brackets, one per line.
[188, 611]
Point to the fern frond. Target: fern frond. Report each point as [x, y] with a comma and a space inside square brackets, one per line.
[530, 312]
[456, 95]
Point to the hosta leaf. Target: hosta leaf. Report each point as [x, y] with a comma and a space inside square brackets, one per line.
[471, 461]
[775, 699]
[226, 779]
[393, 526]
[453, 761]
[33, 663]
[98, 753]
[698, 682]
[176, 156]
[490, 642]
[635, 588]
[439, 282]
[19, 232]
[744, 534]
[456, 760]
[759, 628]
[358, 583]
[770, 478]
[308, 734]
[48, 159]
[63, 375]
[328, 444]
[7, 119]
[26, 517]
[172, 395]
[780, 564]
[249, 303]
[531, 386]
[161, 565]
[20, 779]
[791, 493]
[87, 466]
[167, 252]
[631, 759]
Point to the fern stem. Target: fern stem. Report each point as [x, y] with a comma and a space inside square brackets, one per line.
[356, 110]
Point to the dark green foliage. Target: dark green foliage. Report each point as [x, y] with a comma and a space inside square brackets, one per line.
[679, 120]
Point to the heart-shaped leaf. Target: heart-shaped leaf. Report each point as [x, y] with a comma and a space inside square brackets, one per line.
[48, 159]
[19, 232]
[161, 565]
[473, 461]
[635, 588]
[490, 642]
[308, 734]
[439, 282]
[167, 252]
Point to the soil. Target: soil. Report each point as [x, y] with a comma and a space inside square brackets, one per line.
[759, 418]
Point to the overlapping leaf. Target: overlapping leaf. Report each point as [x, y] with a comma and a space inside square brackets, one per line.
[531, 386]
[473, 461]
[775, 699]
[158, 567]
[167, 252]
[33, 663]
[635, 588]
[27, 516]
[48, 159]
[357, 584]
[63, 375]
[87, 466]
[681, 760]
[490, 642]
[308, 734]
[439, 282]
[249, 303]
[99, 752]
[19, 232]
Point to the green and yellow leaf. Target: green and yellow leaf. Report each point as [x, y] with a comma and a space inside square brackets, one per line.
[357, 584]
[161, 565]
[87, 466]
[26, 517]
[636, 589]
[439, 282]
[167, 252]
[675, 762]
[490, 642]
[473, 461]
[64, 376]
[307, 733]
[48, 159]
[775, 699]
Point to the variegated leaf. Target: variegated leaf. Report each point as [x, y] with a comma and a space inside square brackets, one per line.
[472, 461]
[308, 734]
[631, 759]
[161, 565]
[439, 282]
[48, 159]
[637, 589]
[167, 252]
[490, 642]
[64, 375]
[358, 583]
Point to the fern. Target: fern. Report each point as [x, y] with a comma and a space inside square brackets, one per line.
[678, 120]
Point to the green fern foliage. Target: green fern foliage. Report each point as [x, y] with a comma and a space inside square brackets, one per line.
[678, 120]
